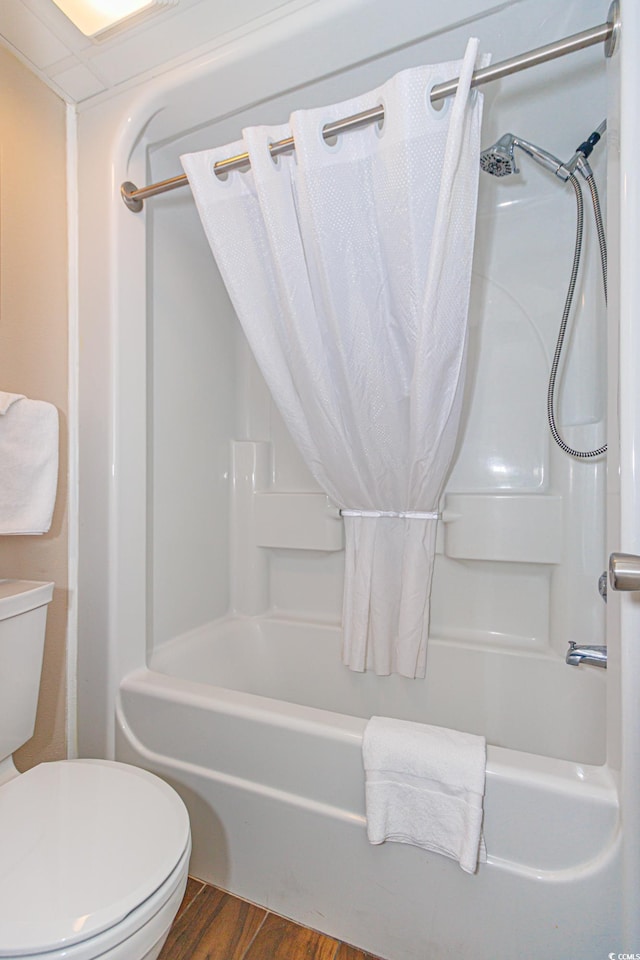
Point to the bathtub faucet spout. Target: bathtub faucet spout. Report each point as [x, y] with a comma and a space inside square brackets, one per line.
[594, 655]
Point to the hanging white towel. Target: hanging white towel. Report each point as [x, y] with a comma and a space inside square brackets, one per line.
[425, 786]
[28, 464]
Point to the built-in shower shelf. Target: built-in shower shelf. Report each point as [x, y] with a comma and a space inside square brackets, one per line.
[297, 521]
[509, 527]
[517, 528]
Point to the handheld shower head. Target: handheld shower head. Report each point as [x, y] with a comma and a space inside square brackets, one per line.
[499, 160]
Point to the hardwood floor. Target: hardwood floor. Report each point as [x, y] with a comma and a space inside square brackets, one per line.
[212, 925]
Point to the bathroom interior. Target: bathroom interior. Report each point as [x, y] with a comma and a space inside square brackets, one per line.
[195, 626]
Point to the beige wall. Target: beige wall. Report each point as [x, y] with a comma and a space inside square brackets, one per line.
[33, 345]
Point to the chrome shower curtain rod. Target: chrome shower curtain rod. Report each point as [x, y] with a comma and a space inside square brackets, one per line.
[606, 33]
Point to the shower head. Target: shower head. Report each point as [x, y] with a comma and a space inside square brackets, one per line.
[499, 160]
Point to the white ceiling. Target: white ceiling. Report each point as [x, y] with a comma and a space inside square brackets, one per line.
[79, 68]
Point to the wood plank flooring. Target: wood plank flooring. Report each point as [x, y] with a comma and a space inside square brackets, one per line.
[213, 925]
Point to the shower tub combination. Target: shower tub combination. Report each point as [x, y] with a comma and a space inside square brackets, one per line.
[211, 586]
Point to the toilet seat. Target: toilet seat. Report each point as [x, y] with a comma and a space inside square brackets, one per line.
[139, 935]
[91, 851]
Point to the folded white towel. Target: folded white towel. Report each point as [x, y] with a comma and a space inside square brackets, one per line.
[425, 786]
[28, 464]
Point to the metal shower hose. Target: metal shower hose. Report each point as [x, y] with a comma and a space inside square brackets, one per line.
[582, 454]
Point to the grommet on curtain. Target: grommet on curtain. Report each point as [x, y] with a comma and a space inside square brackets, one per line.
[275, 160]
[441, 107]
[331, 144]
[380, 127]
[222, 178]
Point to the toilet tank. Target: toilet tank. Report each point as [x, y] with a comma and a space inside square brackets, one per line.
[23, 615]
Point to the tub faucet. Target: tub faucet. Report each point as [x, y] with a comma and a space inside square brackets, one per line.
[594, 655]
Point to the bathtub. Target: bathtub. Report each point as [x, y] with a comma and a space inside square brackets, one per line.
[259, 728]
[210, 565]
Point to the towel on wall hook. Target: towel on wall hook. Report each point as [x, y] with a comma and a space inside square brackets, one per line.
[28, 464]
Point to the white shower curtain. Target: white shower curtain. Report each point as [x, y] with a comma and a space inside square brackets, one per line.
[349, 268]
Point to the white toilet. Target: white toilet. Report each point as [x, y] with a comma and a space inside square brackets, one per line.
[93, 854]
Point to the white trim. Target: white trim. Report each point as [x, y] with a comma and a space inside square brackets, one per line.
[73, 432]
[629, 466]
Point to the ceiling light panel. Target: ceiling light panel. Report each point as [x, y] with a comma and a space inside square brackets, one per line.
[91, 17]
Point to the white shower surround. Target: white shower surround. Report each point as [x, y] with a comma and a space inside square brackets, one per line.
[244, 758]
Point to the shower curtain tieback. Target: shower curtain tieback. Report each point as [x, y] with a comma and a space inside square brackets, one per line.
[404, 514]
[349, 268]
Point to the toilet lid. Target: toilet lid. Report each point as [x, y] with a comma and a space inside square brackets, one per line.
[82, 843]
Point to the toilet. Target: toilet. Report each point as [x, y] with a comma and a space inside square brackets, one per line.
[94, 854]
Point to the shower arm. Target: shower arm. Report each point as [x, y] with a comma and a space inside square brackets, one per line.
[607, 33]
